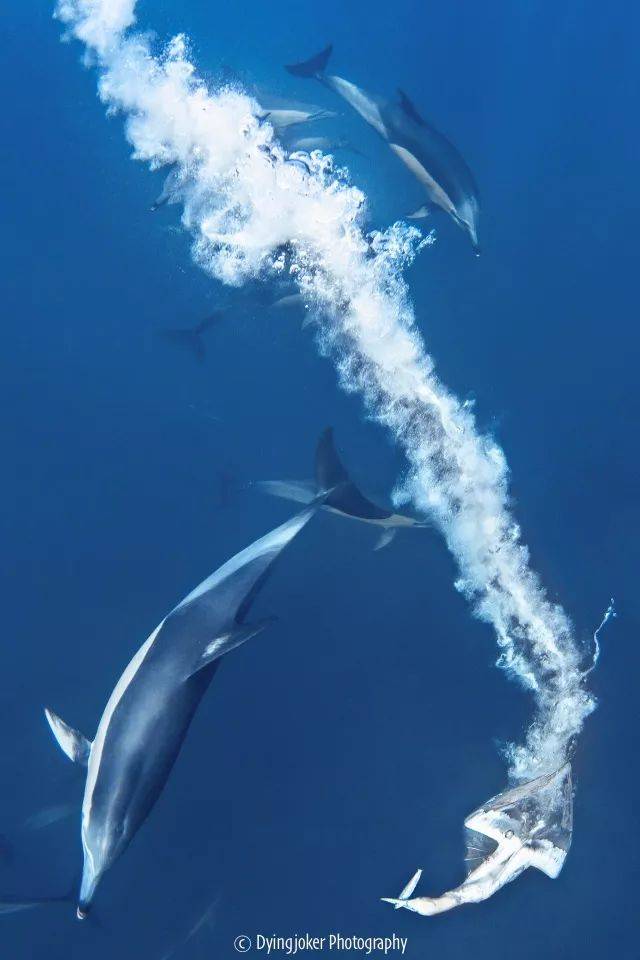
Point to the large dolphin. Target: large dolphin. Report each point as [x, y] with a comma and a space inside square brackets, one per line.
[345, 498]
[529, 826]
[149, 711]
[428, 154]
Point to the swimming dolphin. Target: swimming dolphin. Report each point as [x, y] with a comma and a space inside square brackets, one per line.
[208, 918]
[171, 189]
[529, 826]
[325, 144]
[345, 498]
[192, 337]
[149, 711]
[285, 114]
[49, 815]
[428, 155]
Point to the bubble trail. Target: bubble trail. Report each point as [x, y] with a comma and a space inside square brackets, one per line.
[609, 614]
[254, 215]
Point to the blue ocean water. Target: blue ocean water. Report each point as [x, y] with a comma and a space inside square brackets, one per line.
[342, 749]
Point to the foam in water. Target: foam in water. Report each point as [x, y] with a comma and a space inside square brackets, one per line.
[253, 214]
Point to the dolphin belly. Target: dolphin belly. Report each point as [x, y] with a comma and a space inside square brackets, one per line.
[134, 759]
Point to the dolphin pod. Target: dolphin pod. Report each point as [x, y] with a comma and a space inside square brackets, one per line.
[345, 498]
[429, 156]
[151, 707]
[528, 826]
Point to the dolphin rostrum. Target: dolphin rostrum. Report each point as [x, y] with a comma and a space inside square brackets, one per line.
[149, 711]
[345, 498]
[428, 154]
[529, 826]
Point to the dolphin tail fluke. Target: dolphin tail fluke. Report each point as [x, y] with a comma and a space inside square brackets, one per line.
[207, 322]
[406, 892]
[410, 887]
[72, 742]
[313, 67]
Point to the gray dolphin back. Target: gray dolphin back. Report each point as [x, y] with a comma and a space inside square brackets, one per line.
[221, 602]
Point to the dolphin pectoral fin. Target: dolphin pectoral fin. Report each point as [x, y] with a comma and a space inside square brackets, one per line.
[420, 213]
[74, 744]
[227, 641]
[384, 539]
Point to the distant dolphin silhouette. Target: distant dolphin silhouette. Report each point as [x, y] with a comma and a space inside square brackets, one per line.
[428, 155]
[288, 114]
[192, 337]
[149, 711]
[16, 904]
[529, 826]
[345, 498]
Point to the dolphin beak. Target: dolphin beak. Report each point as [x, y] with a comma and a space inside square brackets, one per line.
[88, 886]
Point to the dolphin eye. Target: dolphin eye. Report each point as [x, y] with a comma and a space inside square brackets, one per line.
[509, 834]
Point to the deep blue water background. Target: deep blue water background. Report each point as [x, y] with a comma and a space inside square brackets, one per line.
[342, 749]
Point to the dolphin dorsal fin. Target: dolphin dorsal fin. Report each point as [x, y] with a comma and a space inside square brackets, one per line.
[410, 109]
[72, 742]
[344, 495]
[330, 471]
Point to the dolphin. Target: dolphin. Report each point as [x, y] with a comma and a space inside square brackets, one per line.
[285, 114]
[325, 144]
[49, 815]
[149, 711]
[171, 189]
[429, 156]
[192, 337]
[208, 918]
[529, 826]
[344, 498]
[291, 301]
